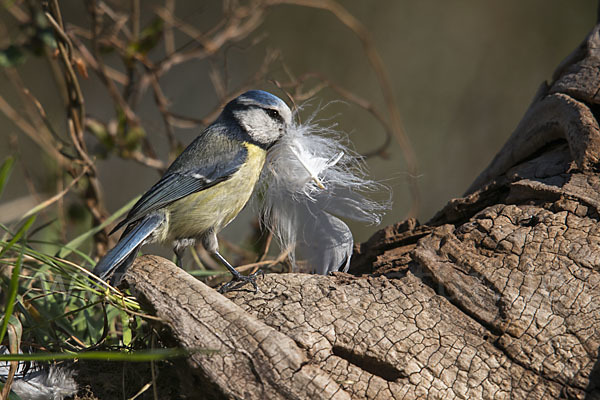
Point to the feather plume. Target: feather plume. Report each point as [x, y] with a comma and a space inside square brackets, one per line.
[313, 179]
[35, 381]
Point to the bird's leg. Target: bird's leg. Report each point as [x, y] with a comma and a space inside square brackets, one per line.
[238, 279]
[179, 253]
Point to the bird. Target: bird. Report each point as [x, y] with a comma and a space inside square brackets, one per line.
[204, 188]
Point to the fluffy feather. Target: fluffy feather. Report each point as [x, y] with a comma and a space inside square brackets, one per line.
[38, 382]
[311, 180]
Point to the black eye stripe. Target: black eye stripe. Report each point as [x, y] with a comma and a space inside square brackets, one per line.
[274, 114]
[271, 112]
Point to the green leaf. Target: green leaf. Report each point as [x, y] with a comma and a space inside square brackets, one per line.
[127, 333]
[15, 334]
[133, 137]
[5, 171]
[46, 36]
[66, 314]
[100, 130]
[18, 235]
[11, 56]
[12, 295]
[149, 38]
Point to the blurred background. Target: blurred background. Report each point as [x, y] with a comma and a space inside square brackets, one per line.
[462, 73]
[429, 90]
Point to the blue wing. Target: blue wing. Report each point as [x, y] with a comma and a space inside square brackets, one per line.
[182, 181]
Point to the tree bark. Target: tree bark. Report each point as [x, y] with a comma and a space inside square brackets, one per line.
[498, 296]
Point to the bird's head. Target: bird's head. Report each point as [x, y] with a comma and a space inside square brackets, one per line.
[263, 116]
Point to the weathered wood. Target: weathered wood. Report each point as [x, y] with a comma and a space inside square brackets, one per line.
[498, 296]
[254, 360]
[560, 111]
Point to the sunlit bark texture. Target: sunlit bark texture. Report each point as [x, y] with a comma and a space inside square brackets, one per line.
[496, 297]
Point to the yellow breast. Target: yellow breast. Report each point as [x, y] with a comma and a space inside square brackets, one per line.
[217, 206]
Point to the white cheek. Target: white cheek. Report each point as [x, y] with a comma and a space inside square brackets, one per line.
[256, 122]
[259, 126]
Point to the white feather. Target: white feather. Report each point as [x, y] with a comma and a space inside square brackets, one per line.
[53, 383]
[310, 179]
[37, 382]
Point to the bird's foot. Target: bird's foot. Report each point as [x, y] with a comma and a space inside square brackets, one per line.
[240, 280]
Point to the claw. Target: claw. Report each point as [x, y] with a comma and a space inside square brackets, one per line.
[240, 280]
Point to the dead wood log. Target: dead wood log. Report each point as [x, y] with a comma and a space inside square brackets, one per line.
[254, 360]
[498, 296]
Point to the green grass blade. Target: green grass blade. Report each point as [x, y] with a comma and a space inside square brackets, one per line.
[60, 246]
[203, 273]
[127, 332]
[4, 228]
[136, 356]
[18, 235]
[75, 243]
[5, 171]
[12, 295]
[64, 315]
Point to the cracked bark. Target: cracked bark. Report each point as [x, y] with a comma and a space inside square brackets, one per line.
[498, 296]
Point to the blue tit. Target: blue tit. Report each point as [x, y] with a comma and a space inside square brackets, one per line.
[206, 186]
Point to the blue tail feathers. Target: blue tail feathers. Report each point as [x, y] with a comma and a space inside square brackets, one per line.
[122, 255]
